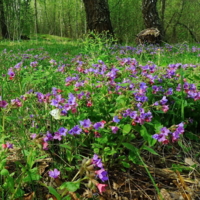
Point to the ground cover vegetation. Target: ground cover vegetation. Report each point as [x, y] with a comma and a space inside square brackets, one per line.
[91, 119]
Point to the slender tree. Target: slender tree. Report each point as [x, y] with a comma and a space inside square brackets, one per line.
[4, 29]
[98, 16]
[150, 15]
[36, 17]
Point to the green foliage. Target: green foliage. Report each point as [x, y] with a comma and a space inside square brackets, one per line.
[100, 96]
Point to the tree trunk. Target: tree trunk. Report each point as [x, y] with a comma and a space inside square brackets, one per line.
[4, 29]
[150, 15]
[98, 16]
[36, 17]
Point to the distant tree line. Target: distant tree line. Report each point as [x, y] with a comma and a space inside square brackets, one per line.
[177, 20]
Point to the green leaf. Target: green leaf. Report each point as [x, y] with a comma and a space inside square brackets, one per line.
[107, 149]
[66, 197]
[144, 133]
[54, 192]
[130, 147]
[65, 146]
[32, 175]
[150, 150]
[126, 129]
[157, 126]
[71, 186]
[19, 193]
[125, 164]
[4, 172]
[191, 136]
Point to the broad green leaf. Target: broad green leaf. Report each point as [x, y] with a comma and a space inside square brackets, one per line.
[32, 175]
[126, 129]
[144, 133]
[157, 126]
[4, 172]
[19, 193]
[70, 186]
[54, 192]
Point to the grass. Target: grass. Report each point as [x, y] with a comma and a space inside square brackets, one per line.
[72, 112]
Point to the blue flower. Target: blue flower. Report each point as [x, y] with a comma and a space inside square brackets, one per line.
[116, 119]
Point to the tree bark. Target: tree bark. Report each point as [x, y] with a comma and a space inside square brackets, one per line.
[98, 16]
[4, 29]
[36, 17]
[150, 15]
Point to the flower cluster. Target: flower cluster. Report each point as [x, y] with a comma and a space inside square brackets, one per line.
[139, 117]
[172, 134]
[162, 104]
[7, 145]
[190, 90]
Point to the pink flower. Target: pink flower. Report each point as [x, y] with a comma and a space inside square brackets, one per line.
[4, 146]
[101, 187]
[165, 108]
[33, 136]
[89, 104]
[45, 145]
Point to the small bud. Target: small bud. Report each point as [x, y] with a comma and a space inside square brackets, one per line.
[88, 162]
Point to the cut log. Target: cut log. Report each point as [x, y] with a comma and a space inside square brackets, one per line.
[149, 36]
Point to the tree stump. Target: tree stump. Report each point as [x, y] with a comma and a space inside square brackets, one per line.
[149, 36]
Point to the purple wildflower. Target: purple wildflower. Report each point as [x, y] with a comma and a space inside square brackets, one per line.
[62, 131]
[18, 65]
[48, 137]
[96, 161]
[76, 130]
[169, 91]
[114, 129]
[179, 130]
[9, 145]
[53, 62]
[163, 101]
[34, 64]
[102, 174]
[3, 104]
[55, 103]
[54, 174]
[86, 123]
[57, 136]
[72, 99]
[16, 102]
[98, 125]
[162, 137]
[11, 73]
[33, 136]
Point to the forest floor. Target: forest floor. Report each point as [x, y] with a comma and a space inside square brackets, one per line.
[167, 172]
